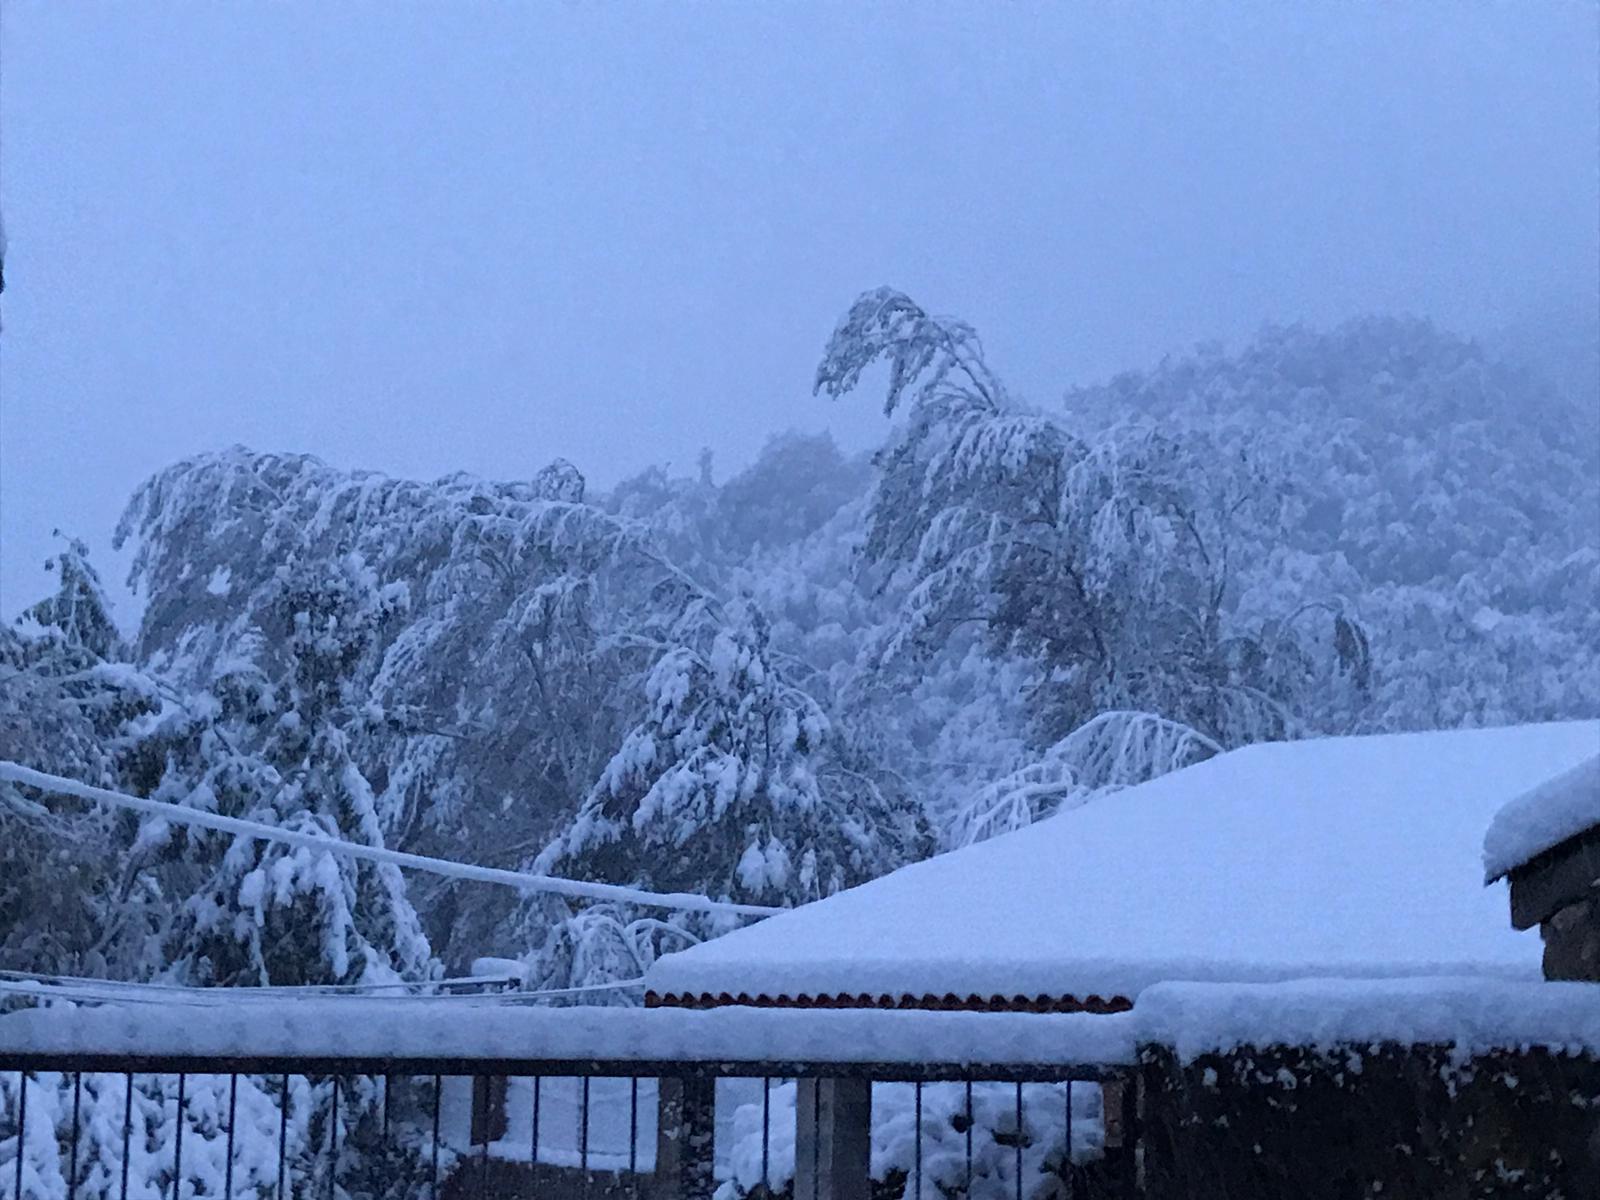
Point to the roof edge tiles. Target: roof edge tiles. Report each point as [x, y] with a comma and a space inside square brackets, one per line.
[949, 1002]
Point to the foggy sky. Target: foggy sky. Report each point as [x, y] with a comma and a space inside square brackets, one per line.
[425, 238]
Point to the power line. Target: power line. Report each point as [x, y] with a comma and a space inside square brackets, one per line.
[264, 989]
[44, 991]
[522, 882]
[105, 991]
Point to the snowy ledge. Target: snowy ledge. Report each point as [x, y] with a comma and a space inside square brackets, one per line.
[1472, 1015]
[460, 1030]
[1542, 819]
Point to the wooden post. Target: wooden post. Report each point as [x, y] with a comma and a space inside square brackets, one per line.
[488, 1108]
[685, 1131]
[833, 1139]
[1119, 1110]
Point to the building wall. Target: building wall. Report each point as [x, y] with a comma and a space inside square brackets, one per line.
[1401, 1123]
[1572, 941]
[1559, 891]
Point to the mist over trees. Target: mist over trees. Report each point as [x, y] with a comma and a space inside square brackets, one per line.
[768, 687]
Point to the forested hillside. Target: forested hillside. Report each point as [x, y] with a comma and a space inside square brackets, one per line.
[768, 687]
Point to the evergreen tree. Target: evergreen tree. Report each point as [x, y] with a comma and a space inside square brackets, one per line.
[733, 785]
[69, 706]
[280, 754]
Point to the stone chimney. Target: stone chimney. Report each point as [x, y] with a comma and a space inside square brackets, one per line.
[1547, 844]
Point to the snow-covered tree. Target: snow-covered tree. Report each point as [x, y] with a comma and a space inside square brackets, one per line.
[795, 486]
[734, 785]
[1107, 563]
[69, 706]
[490, 704]
[494, 703]
[279, 752]
[1447, 497]
[78, 615]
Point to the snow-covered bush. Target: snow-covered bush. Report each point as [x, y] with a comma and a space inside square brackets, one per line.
[994, 1137]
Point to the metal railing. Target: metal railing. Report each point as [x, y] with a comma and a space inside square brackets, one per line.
[442, 1128]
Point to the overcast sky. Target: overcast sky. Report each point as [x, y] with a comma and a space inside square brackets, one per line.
[424, 238]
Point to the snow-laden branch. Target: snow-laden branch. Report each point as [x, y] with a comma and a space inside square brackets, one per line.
[1112, 751]
[526, 883]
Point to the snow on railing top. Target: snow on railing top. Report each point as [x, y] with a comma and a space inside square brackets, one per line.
[1472, 1016]
[488, 1029]
[522, 881]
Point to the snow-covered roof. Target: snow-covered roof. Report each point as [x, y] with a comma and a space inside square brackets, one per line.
[1543, 818]
[1329, 857]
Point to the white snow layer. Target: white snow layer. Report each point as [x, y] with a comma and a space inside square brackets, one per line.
[1472, 1014]
[1543, 818]
[1329, 857]
[369, 1028]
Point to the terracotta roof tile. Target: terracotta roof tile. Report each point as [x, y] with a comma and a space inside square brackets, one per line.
[949, 1002]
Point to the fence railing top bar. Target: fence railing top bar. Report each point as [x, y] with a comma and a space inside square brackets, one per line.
[373, 1030]
[885, 1072]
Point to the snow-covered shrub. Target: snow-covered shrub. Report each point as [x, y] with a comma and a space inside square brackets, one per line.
[944, 1131]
